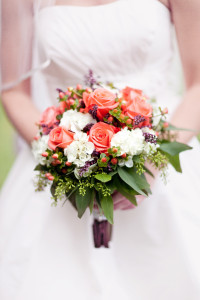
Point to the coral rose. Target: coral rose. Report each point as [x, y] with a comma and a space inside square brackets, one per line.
[139, 106]
[130, 93]
[48, 117]
[104, 99]
[101, 135]
[60, 137]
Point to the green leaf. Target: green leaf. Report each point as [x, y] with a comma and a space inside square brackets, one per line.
[103, 177]
[40, 168]
[107, 206]
[174, 148]
[82, 202]
[111, 185]
[148, 172]
[126, 191]
[175, 162]
[137, 182]
[171, 127]
[91, 205]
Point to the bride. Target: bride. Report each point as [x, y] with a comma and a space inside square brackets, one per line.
[47, 253]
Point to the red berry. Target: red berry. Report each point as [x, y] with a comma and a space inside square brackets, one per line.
[115, 150]
[104, 159]
[36, 138]
[88, 90]
[114, 161]
[115, 111]
[68, 93]
[51, 177]
[79, 87]
[110, 119]
[57, 161]
[44, 154]
[64, 171]
[129, 122]
[165, 111]
[124, 155]
[166, 124]
[71, 102]
[122, 116]
[61, 95]
[123, 106]
[55, 156]
[68, 164]
[47, 175]
[54, 163]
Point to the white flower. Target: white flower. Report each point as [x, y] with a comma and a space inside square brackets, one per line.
[75, 121]
[150, 148]
[128, 163]
[130, 142]
[80, 150]
[156, 116]
[38, 147]
[148, 130]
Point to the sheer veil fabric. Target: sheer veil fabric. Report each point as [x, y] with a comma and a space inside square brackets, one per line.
[18, 40]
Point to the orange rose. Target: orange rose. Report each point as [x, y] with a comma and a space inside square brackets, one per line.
[48, 117]
[60, 137]
[62, 106]
[104, 99]
[138, 106]
[101, 135]
[130, 93]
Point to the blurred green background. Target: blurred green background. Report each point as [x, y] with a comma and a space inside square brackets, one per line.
[7, 154]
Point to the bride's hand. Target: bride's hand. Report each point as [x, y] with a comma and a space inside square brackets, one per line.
[121, 203]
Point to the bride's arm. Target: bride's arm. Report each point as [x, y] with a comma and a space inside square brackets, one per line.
[186, 18]
[20, 110]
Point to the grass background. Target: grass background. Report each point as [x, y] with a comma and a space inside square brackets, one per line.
[7, 153]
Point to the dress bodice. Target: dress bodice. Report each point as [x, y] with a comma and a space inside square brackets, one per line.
[127, 42]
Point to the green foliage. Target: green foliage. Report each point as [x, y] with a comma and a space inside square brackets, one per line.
[107, 206]
[134, 180]
[174, 148]
[83, 201]
[40, 182]
[103, 177]
[174, 161]
[158, 159]
[126, 190]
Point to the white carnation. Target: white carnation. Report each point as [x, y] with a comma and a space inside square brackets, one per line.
[38, 147]
[130, 142]
[75, 121]
[80, 150]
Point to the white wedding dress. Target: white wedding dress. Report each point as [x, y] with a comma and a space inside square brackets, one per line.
[48, 253]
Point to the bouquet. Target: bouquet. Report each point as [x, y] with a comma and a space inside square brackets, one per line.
[97, 142]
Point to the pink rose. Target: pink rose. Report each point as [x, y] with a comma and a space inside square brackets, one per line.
[104, 99]
[49, 116]
[60, 137]
[100, 135]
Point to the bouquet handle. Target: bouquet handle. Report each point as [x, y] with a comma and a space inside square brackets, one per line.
[102, 231]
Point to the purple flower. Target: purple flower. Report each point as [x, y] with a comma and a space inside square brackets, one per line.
[88, 127]
[150, 138]
[93, 112]
[86, 167]
[89, 79]
[138, 119]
